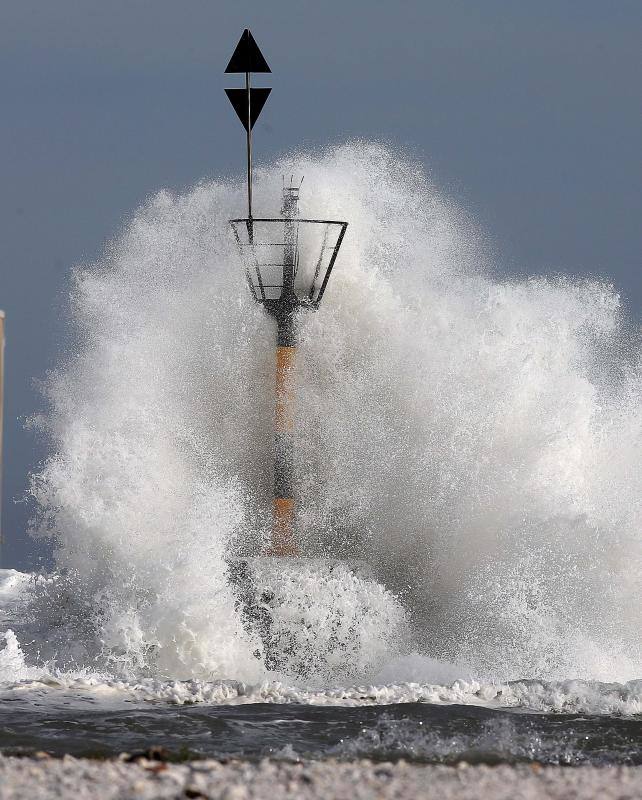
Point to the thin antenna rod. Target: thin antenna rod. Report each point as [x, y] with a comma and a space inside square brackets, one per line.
[248, 58]
[249, 146]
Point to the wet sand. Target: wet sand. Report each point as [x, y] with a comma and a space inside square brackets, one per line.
[36, 778]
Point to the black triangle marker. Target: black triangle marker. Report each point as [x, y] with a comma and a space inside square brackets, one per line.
[238, 98]
[247, 57]
[248, 102]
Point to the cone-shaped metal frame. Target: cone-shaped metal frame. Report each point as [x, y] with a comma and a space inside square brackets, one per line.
[285, 309]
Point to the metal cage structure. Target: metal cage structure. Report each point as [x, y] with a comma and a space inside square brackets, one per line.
[288, 255]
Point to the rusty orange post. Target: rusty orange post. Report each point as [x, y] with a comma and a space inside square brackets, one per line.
[283, 539]
[283, 536]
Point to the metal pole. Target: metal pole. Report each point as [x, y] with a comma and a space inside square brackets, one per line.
[1, 412]
[249, 146]
[283, 537]
[283, 540]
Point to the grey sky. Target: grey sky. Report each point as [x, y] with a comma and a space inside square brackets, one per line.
[528, 113]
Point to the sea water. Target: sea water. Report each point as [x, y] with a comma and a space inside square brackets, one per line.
[475, 437]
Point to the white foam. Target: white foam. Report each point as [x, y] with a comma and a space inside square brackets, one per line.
[476, 436]
[12, 663]
[569, 697]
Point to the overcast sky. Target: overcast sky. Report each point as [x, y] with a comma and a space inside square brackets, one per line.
[528, 112]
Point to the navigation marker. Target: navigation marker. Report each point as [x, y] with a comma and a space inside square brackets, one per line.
[238, 98]
[248, 103]
[288, 261]
[247, 57]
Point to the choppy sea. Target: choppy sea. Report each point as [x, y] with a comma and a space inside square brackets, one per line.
[565, 722]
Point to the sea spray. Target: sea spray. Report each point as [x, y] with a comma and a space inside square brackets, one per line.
[474, 436]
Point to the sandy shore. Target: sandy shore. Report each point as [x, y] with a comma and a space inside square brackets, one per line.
[33, 778]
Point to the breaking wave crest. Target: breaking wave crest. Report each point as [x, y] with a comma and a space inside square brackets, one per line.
[56, 688]
[476, 438]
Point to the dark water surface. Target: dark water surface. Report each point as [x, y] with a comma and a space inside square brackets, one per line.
[414, 731]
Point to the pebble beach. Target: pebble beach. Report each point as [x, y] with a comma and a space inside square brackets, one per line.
[43, 777]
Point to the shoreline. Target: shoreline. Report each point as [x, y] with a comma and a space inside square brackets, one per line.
[44, 777]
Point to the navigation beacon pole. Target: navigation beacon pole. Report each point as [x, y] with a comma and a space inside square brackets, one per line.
[283, 541]
[277, 285]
